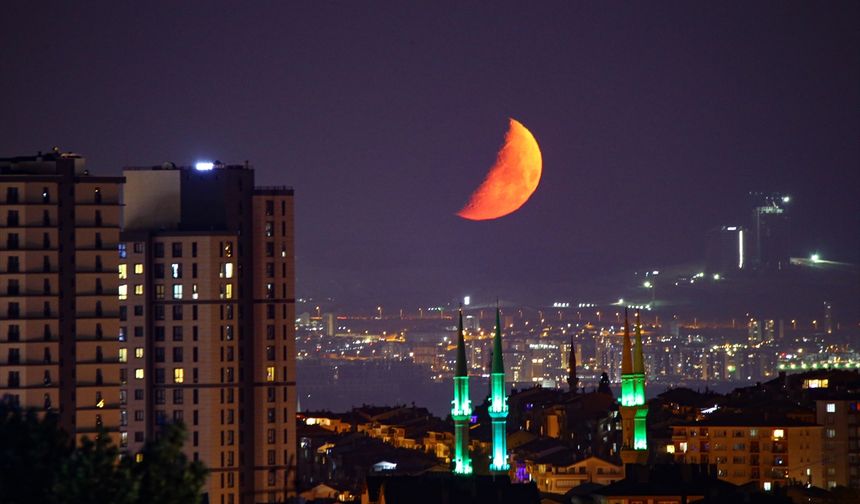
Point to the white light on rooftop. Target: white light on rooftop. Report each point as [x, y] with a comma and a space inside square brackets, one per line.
[815, 257]
[204, 166]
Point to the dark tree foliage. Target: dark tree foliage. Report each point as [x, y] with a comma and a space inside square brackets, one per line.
[39, 462]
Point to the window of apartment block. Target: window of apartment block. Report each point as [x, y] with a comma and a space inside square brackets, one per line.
[158, 250]
[176, 249]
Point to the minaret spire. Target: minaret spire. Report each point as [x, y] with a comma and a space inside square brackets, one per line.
[498, 410]
[626, 358]
[572, 380]
[634, 410]
[638, 358]
[461, 412]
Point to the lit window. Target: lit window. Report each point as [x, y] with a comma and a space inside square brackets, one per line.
[123, 292]
[831, 433]
[177, 291]
[176, 270]
[670, 448]
[123, 355]
[138, 290]
[138, 374]
[778, 433]
[123, 252]
[159, 291]
[228, 291]
[138, 457]
[683, 446]
[270, 373]
[228, 249]
[753, 432]
[138, 353]
[138, 269]
[226, 270]
[194, 294]
[123, 271]
[767, 486]
[178, 375]
[831, 407]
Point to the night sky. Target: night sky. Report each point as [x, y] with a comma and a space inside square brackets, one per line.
[654, 119]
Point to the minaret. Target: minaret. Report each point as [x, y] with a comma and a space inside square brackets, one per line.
[461, 411]
[634, 411]
[572, 380]
[498, 403]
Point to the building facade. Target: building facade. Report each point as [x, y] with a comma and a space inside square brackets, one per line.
[207, 323]
[59, 329]
[768, 453]
[840, 419]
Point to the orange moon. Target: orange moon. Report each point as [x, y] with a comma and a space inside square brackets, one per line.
[511, 180]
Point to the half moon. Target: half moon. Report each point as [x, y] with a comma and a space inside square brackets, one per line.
[511, 180]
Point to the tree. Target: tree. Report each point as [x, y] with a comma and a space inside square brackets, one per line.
[39, 462]
[165, 475]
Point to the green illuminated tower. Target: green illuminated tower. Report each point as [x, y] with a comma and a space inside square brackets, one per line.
[498, 403]
[634, 410]
[461, 411]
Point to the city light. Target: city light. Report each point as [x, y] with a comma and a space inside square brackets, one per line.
[467, 300]
[816, 258]
[204, 166]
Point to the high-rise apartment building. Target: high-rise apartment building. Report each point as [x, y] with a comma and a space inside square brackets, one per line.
[840, 417]
[59, 327]
[752, 448]
[207, 320]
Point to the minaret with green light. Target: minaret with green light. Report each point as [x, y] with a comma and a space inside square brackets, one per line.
[634, 410]
[461, 411]
[498, 403]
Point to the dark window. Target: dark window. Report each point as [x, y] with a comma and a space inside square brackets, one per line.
[158, 354]
[138, 396]
[158, 270]
[270, 332]
[270, 311]
[138, 310]
[158, 312]
[46, 218]
[177, 354]
[138, 247]
[177, 396]
[193, 249]
[159, 396]
[14, 310]
[176, 249]
[14, 356]
[270, 270]
[138, 331]
[46, 195]
[98, 219]
[97, 195]
[159, 333]
[270, 229]
[11, 195]
[12, 264]
[270, 207]
[270, 352]
[14, 380]
[14, 333]
[270, 249]
[193, 270]
[12, 218]
[177, 333]
[158, 250]
[177, 312]
[159, 375]
[98, 240]
[13, 288]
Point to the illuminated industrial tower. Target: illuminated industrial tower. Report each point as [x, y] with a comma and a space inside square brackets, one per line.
[498, 403]
[634, 411]
[461, 411]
